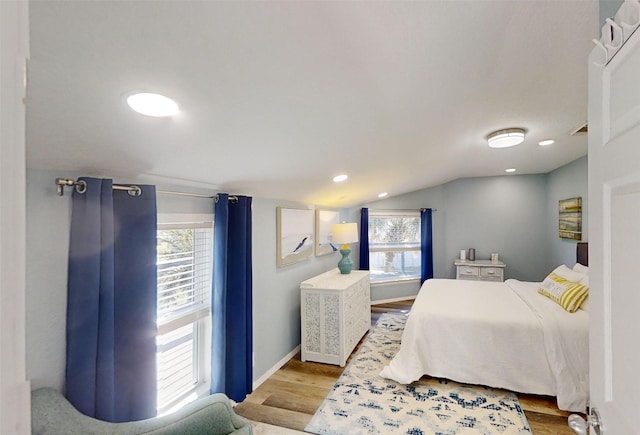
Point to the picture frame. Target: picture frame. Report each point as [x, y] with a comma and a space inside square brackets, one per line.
[325, 218]
[294, 235]
[570, 218]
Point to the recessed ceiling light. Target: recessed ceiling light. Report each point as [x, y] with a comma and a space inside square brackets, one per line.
[382, 195]
[510, 170]
[546, 142]
[506, 138]
[339, 178]
[150, 104]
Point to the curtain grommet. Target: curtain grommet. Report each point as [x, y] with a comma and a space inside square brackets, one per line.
[134, 191]
[80, 186]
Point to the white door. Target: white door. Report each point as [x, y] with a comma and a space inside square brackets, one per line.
[614, 239]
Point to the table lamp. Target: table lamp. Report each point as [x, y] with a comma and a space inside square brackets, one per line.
[343, 234]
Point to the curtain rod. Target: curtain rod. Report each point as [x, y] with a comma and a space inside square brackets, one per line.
[133, 190]
[400, 210]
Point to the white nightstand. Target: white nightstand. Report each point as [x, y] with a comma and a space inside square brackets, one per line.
[480, 270]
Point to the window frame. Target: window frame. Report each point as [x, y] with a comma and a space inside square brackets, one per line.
[201, 318]
[373, 249]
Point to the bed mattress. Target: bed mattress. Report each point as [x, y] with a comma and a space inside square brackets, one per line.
[503, 335]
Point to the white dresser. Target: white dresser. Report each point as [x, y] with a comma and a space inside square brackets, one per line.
[336, 313]
[480, 270]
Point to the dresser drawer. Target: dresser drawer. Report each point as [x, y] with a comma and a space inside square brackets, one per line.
[480, 270]
[491, 272]
[468, 271]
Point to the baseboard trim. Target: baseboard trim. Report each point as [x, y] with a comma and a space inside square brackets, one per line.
[388, 301]
[261, 380]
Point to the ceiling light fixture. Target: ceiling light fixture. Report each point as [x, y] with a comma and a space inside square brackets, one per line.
[510, 170]
[340, 178]
[382, 195]
[150, 104]
[506, 138]
[546, 142]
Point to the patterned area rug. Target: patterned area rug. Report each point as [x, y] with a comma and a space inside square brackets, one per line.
[362, 402]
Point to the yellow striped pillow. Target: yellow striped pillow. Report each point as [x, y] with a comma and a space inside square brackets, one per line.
[568, 294]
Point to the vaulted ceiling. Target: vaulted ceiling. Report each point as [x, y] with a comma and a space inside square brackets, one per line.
[277, 97]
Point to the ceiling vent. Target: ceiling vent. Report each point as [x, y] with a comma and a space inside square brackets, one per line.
[583, 129]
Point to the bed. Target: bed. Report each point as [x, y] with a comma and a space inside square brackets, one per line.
[499, 334]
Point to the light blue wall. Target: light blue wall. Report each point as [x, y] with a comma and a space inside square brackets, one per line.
[48, 220]
[498, 214]
[608, 9]
[276, 290]
[491, 214]
[48, 223]
[433, 198]
[568, 181]
[504, 214]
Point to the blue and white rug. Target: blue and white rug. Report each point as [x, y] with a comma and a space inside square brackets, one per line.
[362, 402]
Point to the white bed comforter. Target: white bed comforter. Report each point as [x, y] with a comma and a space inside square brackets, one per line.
[502, 335]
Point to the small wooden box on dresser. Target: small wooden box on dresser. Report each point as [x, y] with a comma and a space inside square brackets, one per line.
[336, 313]
[480, 270]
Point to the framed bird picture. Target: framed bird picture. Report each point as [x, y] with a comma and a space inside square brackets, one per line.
[324, 220]
[294, 235]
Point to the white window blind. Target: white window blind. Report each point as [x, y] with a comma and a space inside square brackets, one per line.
[184, 270]
[184, 265]
[394, 245]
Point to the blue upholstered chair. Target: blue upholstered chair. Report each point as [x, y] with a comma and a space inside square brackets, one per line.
[52, 414]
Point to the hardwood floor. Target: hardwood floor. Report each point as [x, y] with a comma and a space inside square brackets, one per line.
[291, 396]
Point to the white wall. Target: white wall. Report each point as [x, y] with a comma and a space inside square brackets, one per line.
[14, 387]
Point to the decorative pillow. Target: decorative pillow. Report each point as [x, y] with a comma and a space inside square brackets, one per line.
[568, 294]
[581, 268]
[568, 274]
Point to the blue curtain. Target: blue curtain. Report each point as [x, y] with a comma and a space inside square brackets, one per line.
[232, 331]
[111, 303]
[364, 239]
[426, 244]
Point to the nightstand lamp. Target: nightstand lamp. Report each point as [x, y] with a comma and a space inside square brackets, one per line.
[343, 234]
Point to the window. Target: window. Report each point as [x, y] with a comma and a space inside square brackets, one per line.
[185, 252]
[394, 245]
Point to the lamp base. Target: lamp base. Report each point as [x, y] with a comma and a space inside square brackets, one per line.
[345, 264]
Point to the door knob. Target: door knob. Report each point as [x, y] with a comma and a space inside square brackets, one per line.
[578, 424]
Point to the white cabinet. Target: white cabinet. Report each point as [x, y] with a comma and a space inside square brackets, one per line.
[336, 313]
[480, 270]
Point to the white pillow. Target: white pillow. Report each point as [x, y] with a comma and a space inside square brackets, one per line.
[581, 268]
[568, 294]
[585, 305]
[568, 274]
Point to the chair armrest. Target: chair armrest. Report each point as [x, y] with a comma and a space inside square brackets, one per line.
[51, 413]
[212, 415]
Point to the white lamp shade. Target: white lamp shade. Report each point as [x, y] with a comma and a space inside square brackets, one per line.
[344, 234]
